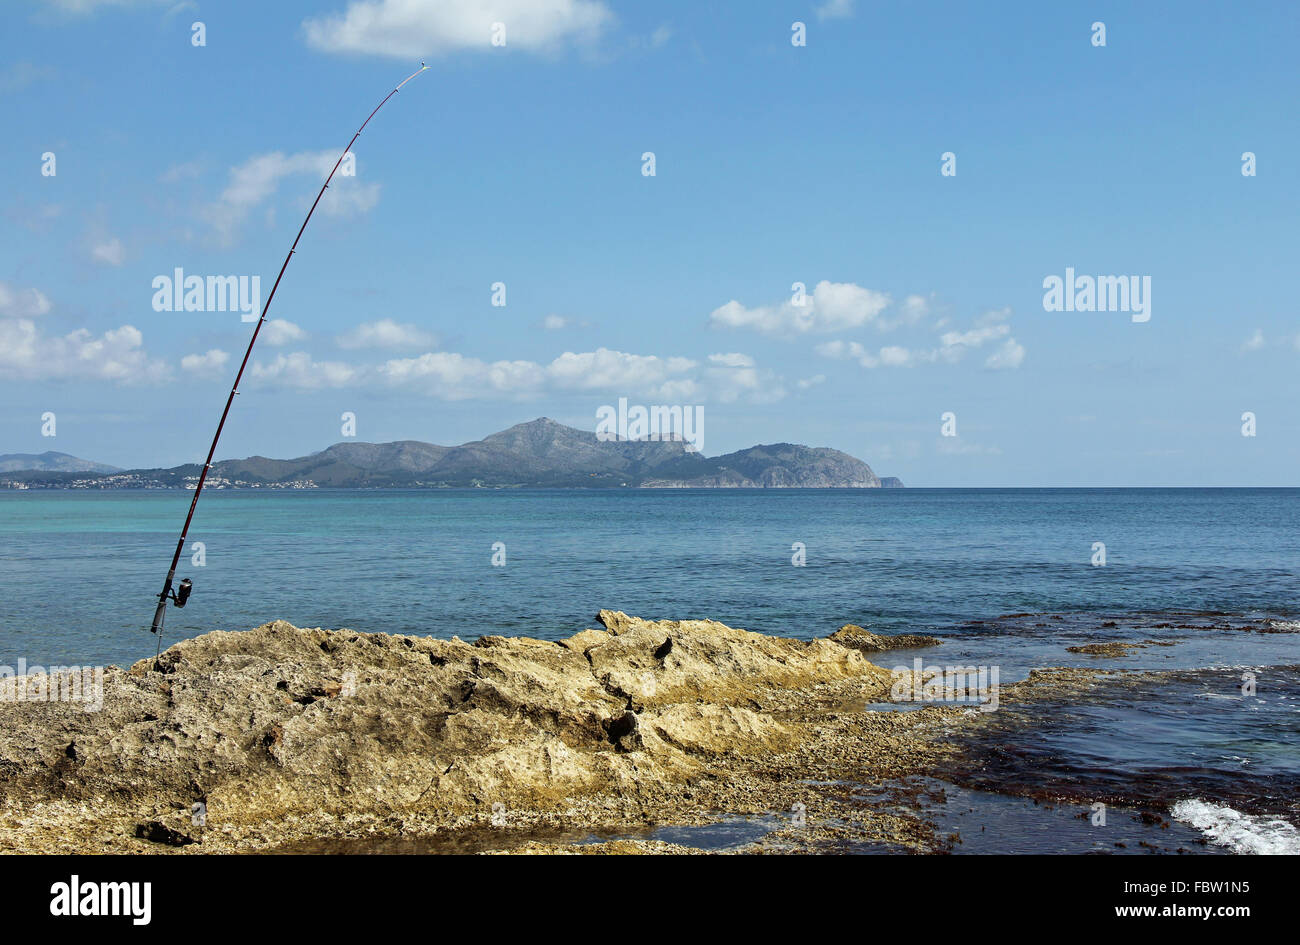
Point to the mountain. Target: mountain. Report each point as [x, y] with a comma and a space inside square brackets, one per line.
[343, 464]
[780, 466]
[540, 453]
[50, 462]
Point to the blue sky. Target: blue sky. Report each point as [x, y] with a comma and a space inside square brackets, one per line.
[774, 164]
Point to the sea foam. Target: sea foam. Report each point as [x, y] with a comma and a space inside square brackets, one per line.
[1241, 833]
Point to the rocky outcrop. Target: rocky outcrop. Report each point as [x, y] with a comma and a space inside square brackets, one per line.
[864, 641]
[244, 740]
[780, 466]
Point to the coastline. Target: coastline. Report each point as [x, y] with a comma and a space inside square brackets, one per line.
[637, 736]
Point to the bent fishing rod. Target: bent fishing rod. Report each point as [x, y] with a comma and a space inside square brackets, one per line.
[181, 594]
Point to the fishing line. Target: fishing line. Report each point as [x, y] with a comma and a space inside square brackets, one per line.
[182, 593]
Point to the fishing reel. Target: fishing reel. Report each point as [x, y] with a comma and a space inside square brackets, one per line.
[182, 592]
[178, 596]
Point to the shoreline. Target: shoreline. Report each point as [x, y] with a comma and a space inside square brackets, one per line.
[295, 739]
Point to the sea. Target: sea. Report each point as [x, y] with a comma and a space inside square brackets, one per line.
[1208, 579]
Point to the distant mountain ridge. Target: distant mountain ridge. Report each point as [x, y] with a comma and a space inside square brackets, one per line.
[50, 461]
[540, 453]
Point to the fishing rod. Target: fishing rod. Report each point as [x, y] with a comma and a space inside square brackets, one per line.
[181, 594]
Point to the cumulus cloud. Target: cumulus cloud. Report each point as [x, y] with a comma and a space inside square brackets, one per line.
[386, 333]
[831, 306]
[111, 252]
[279, 331]
[299, 370]
[887, 356]
[952, 347]
[734, 376]
[734, 360]
[975, 337]
[256, 181]
[26, 353]
[452, 376]
[22, 303]
[449, 375]
[605, 369]
[411, 29]
[1006, 358]
[205, 365]
[910, 311]
[1255, 342]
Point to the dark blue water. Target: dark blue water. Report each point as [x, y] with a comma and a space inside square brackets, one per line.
[78, 570]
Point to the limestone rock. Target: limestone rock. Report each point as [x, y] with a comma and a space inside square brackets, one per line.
[864, 641]
[281, 725]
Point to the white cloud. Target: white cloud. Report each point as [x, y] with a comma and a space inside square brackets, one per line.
[256, 180]
[804, 383]
[832, 306]
[386, 333]
[116, 355]
[278, 331]
[187, 170]
[563, 322]
[205, 365]
[898, 356]
[452, 376]
[953, 346]
[734, 376]
[1006, 358]
[834, 9]
[975, 337]
[888, 356]
[731, 360]
[910, 311]
[605, 369]
[299, 370]
[1254, 342]
[22, 303]
[412, 29]
[111, 252]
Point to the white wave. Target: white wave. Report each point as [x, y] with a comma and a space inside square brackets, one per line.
[1283, 626]
[1241, 833]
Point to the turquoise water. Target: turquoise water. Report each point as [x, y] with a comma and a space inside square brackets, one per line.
[78, 570]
